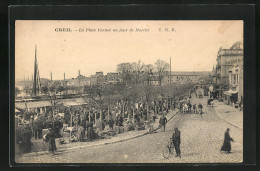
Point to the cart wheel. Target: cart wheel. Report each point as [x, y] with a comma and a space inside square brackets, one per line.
[166, 152]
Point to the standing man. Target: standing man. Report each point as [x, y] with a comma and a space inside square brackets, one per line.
[50, 138]
[176, 139]
[195, 108]
[227, 145]
[162, 122]
[38, 125]
[27, 135]
[200, 109]
[110, 124]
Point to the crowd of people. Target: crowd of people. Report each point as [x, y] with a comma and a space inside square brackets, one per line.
[89, 122]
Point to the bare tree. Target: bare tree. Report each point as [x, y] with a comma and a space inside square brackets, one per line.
[148, 67]
[138, 71]
[125, 70]
[161, 68]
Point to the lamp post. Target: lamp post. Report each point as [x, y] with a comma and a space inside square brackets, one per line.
[150, 76]
[150, 80]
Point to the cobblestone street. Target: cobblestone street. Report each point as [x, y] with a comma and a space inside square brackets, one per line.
[201, 140]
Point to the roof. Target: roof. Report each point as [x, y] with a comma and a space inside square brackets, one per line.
[65, 102]
[183, 73]
[22, 105]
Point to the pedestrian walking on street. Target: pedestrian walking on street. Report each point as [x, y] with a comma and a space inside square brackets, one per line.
[195, 108]
[176, 139]
[200, 109]
[227, 145]
[162, 122]
[189, 107]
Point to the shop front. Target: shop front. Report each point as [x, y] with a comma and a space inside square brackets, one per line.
[230, 97]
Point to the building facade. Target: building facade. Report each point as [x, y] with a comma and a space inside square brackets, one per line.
[185, 77]
[113, 78]
[235, 92]
[225, 60]
[80, 81]
[98, 79]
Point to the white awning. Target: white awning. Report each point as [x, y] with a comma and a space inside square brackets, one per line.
[22, 105]
[230, 92]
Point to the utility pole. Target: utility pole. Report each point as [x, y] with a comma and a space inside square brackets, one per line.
[35, 71]
[51, 77]
[108, 112]
[170, 71]
[147, 108]
[64, 79]
[100, 117]
[170, 82]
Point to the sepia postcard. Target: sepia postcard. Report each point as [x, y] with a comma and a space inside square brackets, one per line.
[129, 91]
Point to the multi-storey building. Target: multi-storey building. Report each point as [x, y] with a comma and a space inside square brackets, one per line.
[235, 92]
[225, 60]
[80, 81]
[113, 78]
[98, 79]
[185, 77]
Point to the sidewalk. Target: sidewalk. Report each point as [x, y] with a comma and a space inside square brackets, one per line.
[230, 114]
[115, 139]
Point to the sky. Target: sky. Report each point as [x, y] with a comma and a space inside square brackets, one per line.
[191, 45]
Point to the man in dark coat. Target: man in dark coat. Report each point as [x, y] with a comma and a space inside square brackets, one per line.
[200, 109]
[195, 108]
[19, 138]
[111, 123]
[50, 138]
[48, 123]
[163, 121]
[176, 139]
[189, 107]
[38, 125]
[90, 131]
[226, 145]
[57, 127]
[27, 135]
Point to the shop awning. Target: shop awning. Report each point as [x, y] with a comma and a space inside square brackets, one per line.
[74, 103]
[22, 105]
[229, 92]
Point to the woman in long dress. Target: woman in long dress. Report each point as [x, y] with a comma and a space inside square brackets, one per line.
[81, 130]
[227, 145]
[90, 131]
